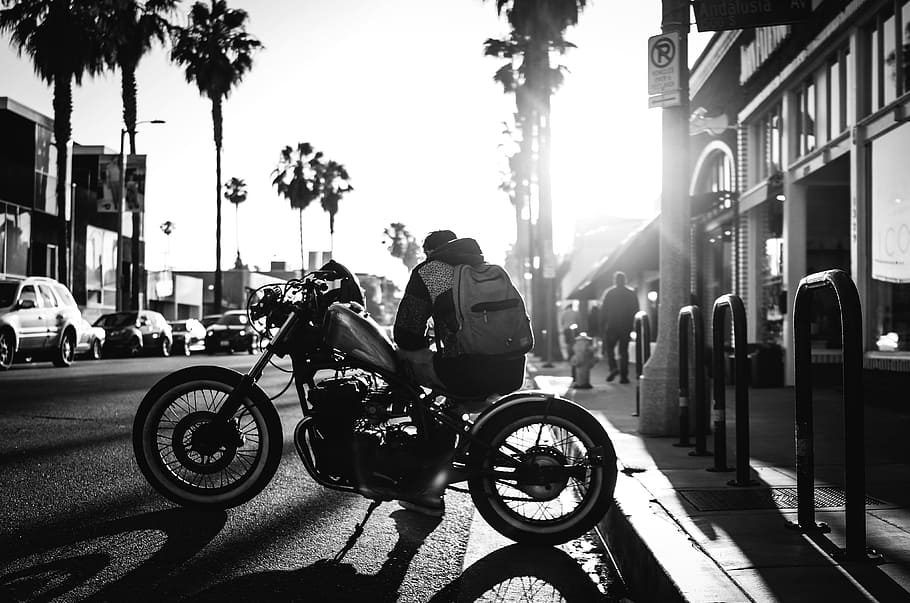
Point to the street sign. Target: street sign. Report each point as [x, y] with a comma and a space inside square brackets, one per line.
[667, 99]
[718, 15]
[664, 63]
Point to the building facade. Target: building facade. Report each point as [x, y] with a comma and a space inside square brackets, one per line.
[809, 175]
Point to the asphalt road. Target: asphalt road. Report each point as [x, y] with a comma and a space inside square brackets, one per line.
[79, 523]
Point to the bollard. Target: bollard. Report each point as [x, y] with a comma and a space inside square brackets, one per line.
[738, 314]
[642, 328]
[854, 454]
[690, 316]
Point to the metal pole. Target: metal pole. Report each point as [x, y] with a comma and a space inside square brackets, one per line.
[683, 335]
[701, 403]
[642, 328]
[118, 271]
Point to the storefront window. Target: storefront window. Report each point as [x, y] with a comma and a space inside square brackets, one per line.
[15, 235]
[100, 252]
[45, 171]
[806, 115]
[770, 136]
[771, 314]
[890, 241]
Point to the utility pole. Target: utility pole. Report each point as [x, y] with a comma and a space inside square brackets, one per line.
[659, 412]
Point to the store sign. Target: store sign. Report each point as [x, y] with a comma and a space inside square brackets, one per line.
[754, 54]
[891, 207]
[110, 184]
[718, 15]
[134, 190]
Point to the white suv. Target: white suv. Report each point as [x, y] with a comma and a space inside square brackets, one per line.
[38, 318]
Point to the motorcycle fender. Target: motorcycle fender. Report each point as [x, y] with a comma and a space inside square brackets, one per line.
[201, 371]
[515, 399]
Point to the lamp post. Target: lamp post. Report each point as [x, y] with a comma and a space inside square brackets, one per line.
[137, 224]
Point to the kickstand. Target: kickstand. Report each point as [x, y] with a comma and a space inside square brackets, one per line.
[358, 531]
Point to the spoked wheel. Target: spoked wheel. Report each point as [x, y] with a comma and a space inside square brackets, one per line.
[548, 474]
[194, 459]
[95, 350]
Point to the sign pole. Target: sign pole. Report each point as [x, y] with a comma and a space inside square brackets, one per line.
[659, 411]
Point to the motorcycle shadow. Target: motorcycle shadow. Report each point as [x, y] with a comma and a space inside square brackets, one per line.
[523, 573]
[60, 563]
[333, 579]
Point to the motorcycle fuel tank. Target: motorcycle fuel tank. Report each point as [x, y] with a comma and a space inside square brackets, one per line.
[350, 330]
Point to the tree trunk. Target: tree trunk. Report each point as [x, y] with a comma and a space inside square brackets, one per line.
[302, 259]
[63, 110]
[217, 123]
[128, 94]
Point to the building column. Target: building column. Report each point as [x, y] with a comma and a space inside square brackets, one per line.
[794, 261]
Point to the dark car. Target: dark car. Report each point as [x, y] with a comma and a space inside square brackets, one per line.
[189, 336]
[134, 333]
[233, 332]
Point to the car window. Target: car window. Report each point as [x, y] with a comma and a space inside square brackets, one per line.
[47, 297]
[121, 319]
[64, 295]
[180, 325]
[28, 294]
[7, 293]
[233, 319]
[210, 320]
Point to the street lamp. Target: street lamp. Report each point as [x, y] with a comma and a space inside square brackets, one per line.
[136, 224]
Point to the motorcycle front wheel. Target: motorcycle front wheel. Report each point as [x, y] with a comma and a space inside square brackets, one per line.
[516, 482]
[190, 457]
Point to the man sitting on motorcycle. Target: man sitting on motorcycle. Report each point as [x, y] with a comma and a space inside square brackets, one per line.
[428, 295]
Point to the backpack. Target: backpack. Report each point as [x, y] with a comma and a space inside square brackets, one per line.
[490, 312]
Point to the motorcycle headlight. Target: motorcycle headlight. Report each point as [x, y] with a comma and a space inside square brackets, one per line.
[209, 333]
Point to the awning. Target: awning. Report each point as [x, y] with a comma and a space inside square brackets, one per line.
[638, 252]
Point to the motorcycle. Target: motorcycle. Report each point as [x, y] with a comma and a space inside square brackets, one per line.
[539, 468]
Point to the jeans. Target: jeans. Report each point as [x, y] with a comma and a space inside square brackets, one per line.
[611, 339]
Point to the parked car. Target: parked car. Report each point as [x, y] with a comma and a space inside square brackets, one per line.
[89, 340]
[38, 319]
[233, 332]
[189, 336]
[134, 333]
[210, 319]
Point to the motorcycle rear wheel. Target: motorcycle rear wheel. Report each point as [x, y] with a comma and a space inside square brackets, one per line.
[185, 460]
[547, 434]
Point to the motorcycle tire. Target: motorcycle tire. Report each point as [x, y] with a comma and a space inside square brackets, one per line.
[180, 458]
[547, 433]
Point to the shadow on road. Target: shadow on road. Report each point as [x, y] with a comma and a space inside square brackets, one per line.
[333, 579]
[523, 573]
[53, 563]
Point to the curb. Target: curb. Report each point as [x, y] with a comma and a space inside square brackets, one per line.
[656, 559]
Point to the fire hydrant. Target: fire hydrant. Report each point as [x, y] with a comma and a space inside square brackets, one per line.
[583, 359]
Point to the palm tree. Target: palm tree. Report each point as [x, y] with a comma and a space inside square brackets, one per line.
[298, 179]
[216, 52]
[131, 27]
[538, 28]
[236, 194]
[63, 41]
[402, 244]
[335, 185]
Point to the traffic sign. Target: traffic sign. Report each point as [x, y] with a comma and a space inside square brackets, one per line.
[664, 66]
[667, 99]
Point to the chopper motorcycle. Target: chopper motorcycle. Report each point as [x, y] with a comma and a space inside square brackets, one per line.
[539, 468]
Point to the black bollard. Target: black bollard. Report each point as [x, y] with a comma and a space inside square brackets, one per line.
[690, 318]
[642, 328]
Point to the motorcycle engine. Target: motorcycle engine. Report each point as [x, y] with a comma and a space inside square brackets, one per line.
[364, 433]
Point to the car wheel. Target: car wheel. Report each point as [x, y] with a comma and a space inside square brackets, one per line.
[7, 349]
[186, 349]
[95, 350]
[164, 349]
[66, 350]
[134, 349]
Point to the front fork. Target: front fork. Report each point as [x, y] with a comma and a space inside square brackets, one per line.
[242, 391]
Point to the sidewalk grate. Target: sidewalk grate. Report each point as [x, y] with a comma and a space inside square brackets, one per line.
[742, 499]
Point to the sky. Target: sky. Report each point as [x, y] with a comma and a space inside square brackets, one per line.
[400, 93]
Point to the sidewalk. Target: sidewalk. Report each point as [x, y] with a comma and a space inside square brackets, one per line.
[680, 533]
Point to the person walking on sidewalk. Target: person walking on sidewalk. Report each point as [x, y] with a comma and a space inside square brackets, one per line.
[617, 316]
